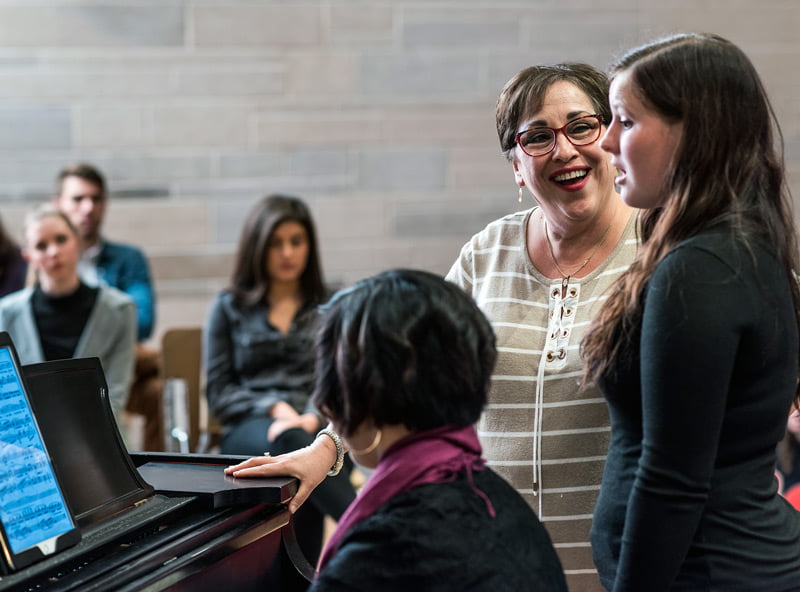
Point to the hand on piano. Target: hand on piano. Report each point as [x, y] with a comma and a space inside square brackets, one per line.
[310, 465]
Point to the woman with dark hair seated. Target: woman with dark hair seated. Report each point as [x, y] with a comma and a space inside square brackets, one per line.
[258, 349]
[403, 367]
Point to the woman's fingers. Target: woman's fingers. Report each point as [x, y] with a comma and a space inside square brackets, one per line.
[303, 491]
[310, 465]
[250, 462]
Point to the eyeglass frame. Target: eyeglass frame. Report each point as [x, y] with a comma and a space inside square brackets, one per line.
[562, 129]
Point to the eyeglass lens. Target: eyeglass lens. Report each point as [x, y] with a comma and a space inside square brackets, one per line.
[540, 140]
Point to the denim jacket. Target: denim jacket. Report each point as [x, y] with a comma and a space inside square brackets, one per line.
[125, 268]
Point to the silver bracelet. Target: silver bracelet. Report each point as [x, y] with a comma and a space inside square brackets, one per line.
[337, 466]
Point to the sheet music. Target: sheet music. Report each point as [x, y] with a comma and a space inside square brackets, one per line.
[32, 508]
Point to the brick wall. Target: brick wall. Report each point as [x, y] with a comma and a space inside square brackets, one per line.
[379, 113]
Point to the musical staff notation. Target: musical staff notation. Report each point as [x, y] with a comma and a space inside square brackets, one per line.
[32, 508]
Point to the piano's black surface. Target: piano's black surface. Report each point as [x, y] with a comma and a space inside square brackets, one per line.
[194, 548]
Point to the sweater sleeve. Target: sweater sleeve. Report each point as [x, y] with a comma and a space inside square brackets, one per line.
[118, 362]
[462, 271]
[695, 312]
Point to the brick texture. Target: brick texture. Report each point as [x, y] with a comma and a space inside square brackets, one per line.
[380, 113]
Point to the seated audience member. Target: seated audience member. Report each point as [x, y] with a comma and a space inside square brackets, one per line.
[13, 267]
[60, 316]
[81, 194]
[258, 349]
[404, 361]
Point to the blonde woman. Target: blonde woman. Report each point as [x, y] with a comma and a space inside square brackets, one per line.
[60, 316]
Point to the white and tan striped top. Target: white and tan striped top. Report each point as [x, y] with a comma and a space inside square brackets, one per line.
[536, 382]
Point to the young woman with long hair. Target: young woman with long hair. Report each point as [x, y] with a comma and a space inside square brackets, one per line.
[696, 348]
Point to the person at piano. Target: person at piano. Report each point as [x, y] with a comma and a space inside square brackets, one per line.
[403, 366]
[61, 317]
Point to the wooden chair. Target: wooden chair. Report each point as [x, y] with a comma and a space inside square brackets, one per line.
[188, 425]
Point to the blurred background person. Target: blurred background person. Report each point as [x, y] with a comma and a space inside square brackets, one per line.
[403, 366]
[61, 317]
[13, 267]
[82, 194]
[258, 349]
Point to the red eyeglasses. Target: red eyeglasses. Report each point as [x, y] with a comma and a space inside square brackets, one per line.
[538, 141]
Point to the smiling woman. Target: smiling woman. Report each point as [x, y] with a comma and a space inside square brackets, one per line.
[540, 276]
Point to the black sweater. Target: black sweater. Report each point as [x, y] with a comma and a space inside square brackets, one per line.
[60, 320]
[441, 537]
[688, 499]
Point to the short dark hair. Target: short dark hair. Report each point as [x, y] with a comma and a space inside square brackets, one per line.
[525, 92]
[83, 171]
[250, 282]
[403, 347]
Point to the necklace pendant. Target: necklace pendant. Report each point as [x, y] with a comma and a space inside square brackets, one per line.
[564, 285]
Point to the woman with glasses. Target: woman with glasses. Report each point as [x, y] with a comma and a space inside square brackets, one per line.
[540, 275]
[696, 347]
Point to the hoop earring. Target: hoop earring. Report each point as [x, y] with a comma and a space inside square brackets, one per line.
[371, 447]
[519, 195]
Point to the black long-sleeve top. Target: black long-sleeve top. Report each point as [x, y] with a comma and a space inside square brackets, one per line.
[441, 537]
[60, 320]
[688, 499]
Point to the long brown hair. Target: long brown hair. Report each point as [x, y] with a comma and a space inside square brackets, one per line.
[728, 170]
[250, 283]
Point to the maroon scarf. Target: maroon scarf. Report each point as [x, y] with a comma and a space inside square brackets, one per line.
[435, 456]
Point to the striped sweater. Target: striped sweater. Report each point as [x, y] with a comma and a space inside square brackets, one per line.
[558, 467]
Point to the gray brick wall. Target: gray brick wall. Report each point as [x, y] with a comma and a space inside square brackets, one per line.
[378, 112]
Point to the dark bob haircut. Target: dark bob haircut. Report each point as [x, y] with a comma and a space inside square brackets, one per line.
[403, 347]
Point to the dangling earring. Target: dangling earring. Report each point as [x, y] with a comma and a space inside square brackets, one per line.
[519, 195]
[371, 447]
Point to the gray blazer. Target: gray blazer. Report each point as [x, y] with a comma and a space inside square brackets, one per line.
[109, 334]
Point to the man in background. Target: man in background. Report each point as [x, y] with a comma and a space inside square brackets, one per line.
[81, 194]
